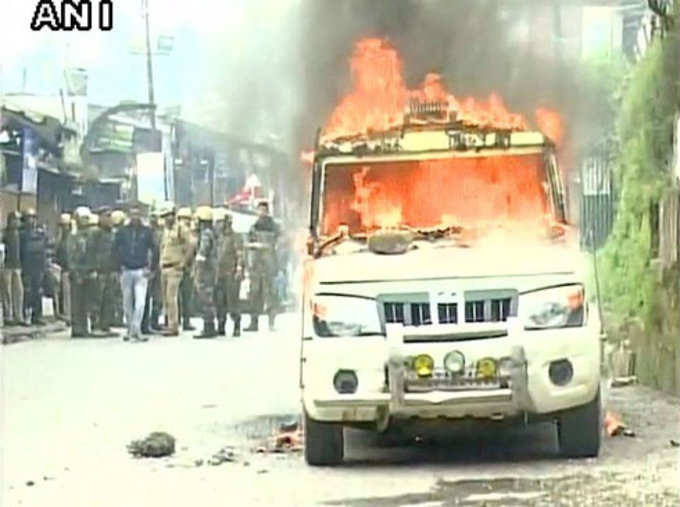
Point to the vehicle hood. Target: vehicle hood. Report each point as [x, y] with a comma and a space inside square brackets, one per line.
[434, 262]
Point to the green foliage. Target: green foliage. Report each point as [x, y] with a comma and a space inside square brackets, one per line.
[644, 130]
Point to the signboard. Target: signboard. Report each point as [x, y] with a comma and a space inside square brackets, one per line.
[29, 176]
[76, 82]
[151, 177]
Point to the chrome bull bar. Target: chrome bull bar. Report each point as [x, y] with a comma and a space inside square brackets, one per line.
[517, 393]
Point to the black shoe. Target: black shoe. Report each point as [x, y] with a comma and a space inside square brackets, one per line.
[254, 324]
[208, 333]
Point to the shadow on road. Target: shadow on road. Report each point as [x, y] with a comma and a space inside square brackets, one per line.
[447, 443]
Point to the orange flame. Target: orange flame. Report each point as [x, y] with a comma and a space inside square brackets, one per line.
[307, 157]
[613, 424]
[389, 193]
[374, 205]
[379, 97]
[550, 123]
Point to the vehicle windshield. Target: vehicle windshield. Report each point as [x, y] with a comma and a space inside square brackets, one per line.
[470, 192]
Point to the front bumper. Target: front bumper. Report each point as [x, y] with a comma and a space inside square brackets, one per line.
[529, 391]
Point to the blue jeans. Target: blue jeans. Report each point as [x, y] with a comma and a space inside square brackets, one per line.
[133, 283]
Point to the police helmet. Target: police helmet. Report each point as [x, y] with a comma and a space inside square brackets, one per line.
[165, 209]
[117, 217]
[184, 213]
[219, 214]
[82, 211]
[204, 213]
[65, 219]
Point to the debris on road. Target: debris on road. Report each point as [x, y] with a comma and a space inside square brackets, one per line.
[157, 445]
[675, 443]
[30, 483]
[624, 381]
[613, 424]
[224, 455]
[288, 438]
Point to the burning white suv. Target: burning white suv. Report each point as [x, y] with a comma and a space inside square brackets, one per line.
[444, 282]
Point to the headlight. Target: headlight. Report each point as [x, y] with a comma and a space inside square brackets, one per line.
[454, 362]
[345, 316]
[423, 365]
[552, 308]
[486, 368]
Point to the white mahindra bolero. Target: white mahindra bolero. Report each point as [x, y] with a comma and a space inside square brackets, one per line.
[444, 282]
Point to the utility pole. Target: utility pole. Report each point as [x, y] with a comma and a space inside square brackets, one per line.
[149, 65]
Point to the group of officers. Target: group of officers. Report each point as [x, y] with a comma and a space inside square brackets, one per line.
[118, 270]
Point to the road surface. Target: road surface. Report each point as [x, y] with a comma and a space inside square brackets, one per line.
[72, 406]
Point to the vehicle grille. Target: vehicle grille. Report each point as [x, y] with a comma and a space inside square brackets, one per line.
[394, 313]
[490, 310]
[420, 314]
[448, 313]
[478, 307]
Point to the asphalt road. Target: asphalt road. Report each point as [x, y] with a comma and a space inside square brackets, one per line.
[71, 407]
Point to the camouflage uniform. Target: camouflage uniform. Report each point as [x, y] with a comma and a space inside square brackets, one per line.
[62, 260]
[204, 278]
[82, 272]
[106, 283]
[186, 289]
[229, 273]
[262, 269]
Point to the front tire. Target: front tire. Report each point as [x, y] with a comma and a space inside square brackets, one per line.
[324, 442]
[579, 430]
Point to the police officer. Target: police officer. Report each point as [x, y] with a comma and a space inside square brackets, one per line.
[153, 304]
[102, 239]
[229, 276]
[176, 247]
[33, 265]
[13, 284]
[82, 271]
[204, 277]
[186, 286]
[63, 240]
[117, 220]
[262, 267]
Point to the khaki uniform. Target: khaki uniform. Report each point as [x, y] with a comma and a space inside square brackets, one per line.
[175, 251]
